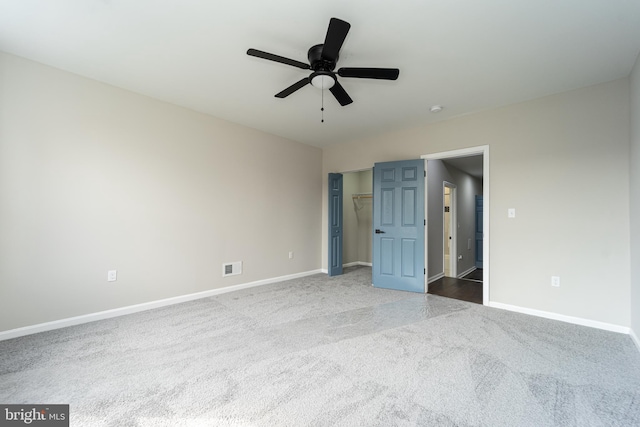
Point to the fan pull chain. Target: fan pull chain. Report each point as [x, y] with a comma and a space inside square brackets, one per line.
[322, 108]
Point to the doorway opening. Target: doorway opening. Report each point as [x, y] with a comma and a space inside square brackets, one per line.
[357, 218]
[458, 267]
[449, 228]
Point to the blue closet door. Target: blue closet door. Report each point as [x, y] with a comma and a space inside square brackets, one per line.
[398, 225]
[335, 224]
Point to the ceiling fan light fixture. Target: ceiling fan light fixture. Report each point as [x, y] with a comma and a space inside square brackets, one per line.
[322, 80]
[322, 60]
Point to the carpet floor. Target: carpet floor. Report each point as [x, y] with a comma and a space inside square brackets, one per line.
[321, 351]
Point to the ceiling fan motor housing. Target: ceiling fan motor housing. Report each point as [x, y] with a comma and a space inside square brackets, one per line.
[318, 63]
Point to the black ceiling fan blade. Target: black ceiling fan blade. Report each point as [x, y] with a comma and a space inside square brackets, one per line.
[336, 33]
[341, 95]
[294, 87]
[370, 73]
[277, 58]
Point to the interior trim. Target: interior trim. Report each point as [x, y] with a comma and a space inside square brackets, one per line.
[568, 319]
[468, 271]
[635, 339]
[436, 277]
[356, 263]
[122, 311]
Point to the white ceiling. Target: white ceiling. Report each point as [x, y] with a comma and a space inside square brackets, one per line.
[469, 164]
[467, 55]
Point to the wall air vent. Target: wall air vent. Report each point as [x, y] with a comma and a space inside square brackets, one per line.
[231, 268]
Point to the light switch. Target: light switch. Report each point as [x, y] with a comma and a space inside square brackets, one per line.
[511, 213]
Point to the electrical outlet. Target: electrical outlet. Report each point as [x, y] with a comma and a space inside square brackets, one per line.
[112, 275]
[290, 254]
[555, 281]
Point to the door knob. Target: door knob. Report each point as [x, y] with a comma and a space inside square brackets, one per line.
[379, 231]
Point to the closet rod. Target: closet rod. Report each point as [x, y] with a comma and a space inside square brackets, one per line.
[362, 196]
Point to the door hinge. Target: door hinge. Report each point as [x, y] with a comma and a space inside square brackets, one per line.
[425, 174]
[425, 222]
[425, 271]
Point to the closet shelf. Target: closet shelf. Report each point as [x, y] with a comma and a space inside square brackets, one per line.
[362, 195]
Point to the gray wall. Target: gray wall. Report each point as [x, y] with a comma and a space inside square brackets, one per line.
[635, 199]
[94, 178]
[467, 188]
[563, 162]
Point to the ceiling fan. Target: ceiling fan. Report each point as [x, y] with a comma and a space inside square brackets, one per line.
[322, 60]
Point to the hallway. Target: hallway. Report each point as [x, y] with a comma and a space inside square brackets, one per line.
[468, 288]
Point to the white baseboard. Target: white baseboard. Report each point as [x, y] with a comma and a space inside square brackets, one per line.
[107, 314]
[355, 263]
[562, 317]
[436, 277]
[469, 271]
[635, 339]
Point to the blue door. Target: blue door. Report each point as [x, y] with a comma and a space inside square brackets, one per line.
[335, 224]
[479, 232]
[398, 225]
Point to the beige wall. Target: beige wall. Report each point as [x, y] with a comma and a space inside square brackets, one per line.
[94, 178]
[562, 162]
[635, 198]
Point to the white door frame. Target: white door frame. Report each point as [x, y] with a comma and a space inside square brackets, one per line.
[482, 150]
[453, 225]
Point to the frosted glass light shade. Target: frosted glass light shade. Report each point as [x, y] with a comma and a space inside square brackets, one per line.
[323, 81]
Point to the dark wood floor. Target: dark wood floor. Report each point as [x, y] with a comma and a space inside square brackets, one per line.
[474, 275]
[462, 289]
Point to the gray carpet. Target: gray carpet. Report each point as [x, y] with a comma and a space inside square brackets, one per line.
[323, 351]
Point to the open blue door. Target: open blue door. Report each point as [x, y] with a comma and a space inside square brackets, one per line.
[479, 231]
[398, 223]
[335, 224]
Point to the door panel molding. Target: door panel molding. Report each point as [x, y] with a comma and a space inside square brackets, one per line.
[335, 225]
[398, 222]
